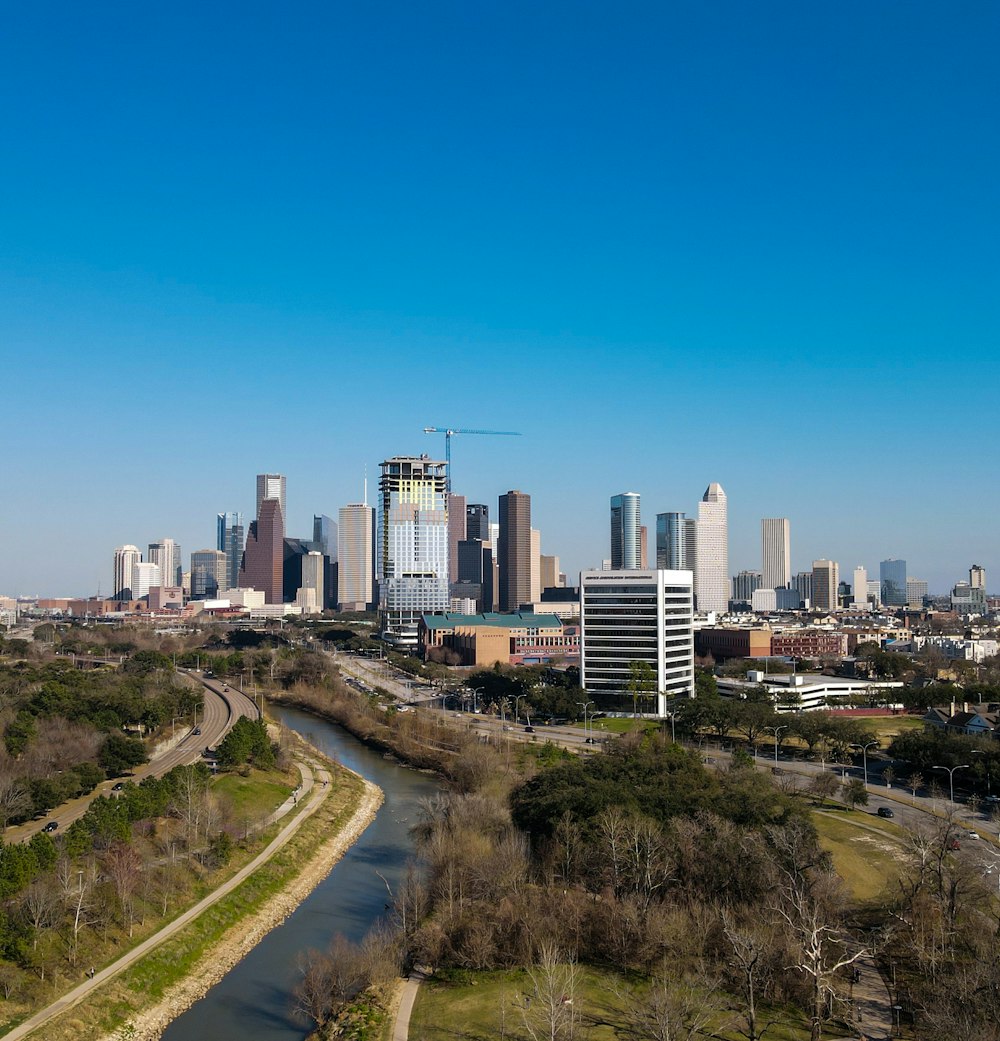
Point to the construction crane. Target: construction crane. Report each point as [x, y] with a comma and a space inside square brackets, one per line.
[450, 431]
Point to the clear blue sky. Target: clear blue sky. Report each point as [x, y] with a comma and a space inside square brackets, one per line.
[671, 243]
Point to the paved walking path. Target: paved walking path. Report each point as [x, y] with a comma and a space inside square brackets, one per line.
[408, 995]
[319, 793]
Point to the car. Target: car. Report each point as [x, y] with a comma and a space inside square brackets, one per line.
[197, 731]
[51, 826]
[529, 729]
[972, 834]
[117, 787]
[884, 811]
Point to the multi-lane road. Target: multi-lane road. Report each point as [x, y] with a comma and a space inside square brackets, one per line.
[223, 705]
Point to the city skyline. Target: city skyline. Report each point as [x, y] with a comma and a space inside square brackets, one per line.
[278, 228]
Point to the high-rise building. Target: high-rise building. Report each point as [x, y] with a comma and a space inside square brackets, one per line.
[802, 583]
[457, 522]
[825, 582]
[643, 548]
[892, 575]
[310, 595]
[628, 616]
[263, 557]
[514, 550]
[126, 557]
[713, 551]
[229, 538]
[775, 552]
[745, 584]
[549, 572]
[916, 592]
[272, 486]
[626, 533]
[670, 542]
[145, 576]
[691, 551]
[356, 557]
[477, 522]
[536, 566]
[325, 535]
[208, 573]
[413, 544]
[977, 576]
[166, 554]
[859, 587]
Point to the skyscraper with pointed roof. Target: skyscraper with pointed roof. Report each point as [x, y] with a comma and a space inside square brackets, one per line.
[712, 553]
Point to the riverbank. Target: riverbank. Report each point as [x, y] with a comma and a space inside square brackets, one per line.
[242, 937]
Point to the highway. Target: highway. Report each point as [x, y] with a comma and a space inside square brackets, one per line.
[223, 705]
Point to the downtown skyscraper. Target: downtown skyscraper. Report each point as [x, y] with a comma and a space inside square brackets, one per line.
[775, 552]
[229, 538]
[712, 564]
[514, 550]
[263, 557]
[356, 557]
[413, 544]
[272, 486]
[626, 532]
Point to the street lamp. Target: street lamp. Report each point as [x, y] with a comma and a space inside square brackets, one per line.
[897, 1009]
[777, 731]
[517, 699]
[951, 778]
[588, 740]
[979, 751]
[475, 700]
[864, 756]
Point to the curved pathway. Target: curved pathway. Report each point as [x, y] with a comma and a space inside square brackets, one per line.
[84, 989]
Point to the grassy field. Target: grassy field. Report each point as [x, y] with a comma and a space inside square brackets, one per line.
[865, 849]
[885, 728]
[255, 796]
[484, 1006]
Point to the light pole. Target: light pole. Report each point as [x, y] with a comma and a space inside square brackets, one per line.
[587, 739]
[864, 757]
[517, 699]
[475, 699]
[897, 1009]
[951, 778]
[777, 731]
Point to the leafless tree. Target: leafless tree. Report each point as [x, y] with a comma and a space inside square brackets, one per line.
[550, 1010]
[123, 868]
[670, 1009]
[40, 905]
[78, 889]
[15, 799]
[750, 966]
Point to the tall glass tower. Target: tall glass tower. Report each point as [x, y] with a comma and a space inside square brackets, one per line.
[229, 539]
[892, 577]
[626, 532]
[670, 555]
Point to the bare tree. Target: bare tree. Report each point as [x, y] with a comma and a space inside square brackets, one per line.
[549, 1011]
[750, 968]
[123, 868]
[40, 905]
[77, 887]
[15, 799]
[669, 1009]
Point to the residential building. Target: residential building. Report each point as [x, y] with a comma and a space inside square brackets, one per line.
[230, 535]
[626, 533]
[892, 576]
[263, 555]
[514, 550]
[776, 552]
[166, 554]
[713, 551]
[977, 577]
[126, 557]
[969, 600]
[356, 558]
[272, 486]
[670, 542]
[744, 586]
[208, 574]
[629, 616]
[825, 581]
[413, 544]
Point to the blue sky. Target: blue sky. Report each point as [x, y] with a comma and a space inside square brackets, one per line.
[669, 243]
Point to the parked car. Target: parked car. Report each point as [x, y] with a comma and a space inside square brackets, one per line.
[884, 811]
[51, 826]
[117, 787]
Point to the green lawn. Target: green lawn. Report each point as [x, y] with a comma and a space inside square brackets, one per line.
[254, 796]
[484, 1006]
[865, 849]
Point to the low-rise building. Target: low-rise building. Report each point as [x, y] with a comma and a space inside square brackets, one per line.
[520, 638]
[804, 692]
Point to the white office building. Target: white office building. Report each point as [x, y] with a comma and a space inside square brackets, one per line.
[144, 577]
[859, 587]
[712, 553]
[776, 552]
[166, 554]
[634, 615]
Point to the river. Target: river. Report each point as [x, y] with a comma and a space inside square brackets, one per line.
[253, 1002]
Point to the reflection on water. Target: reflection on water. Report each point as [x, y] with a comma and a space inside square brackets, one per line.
[254, 1000]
